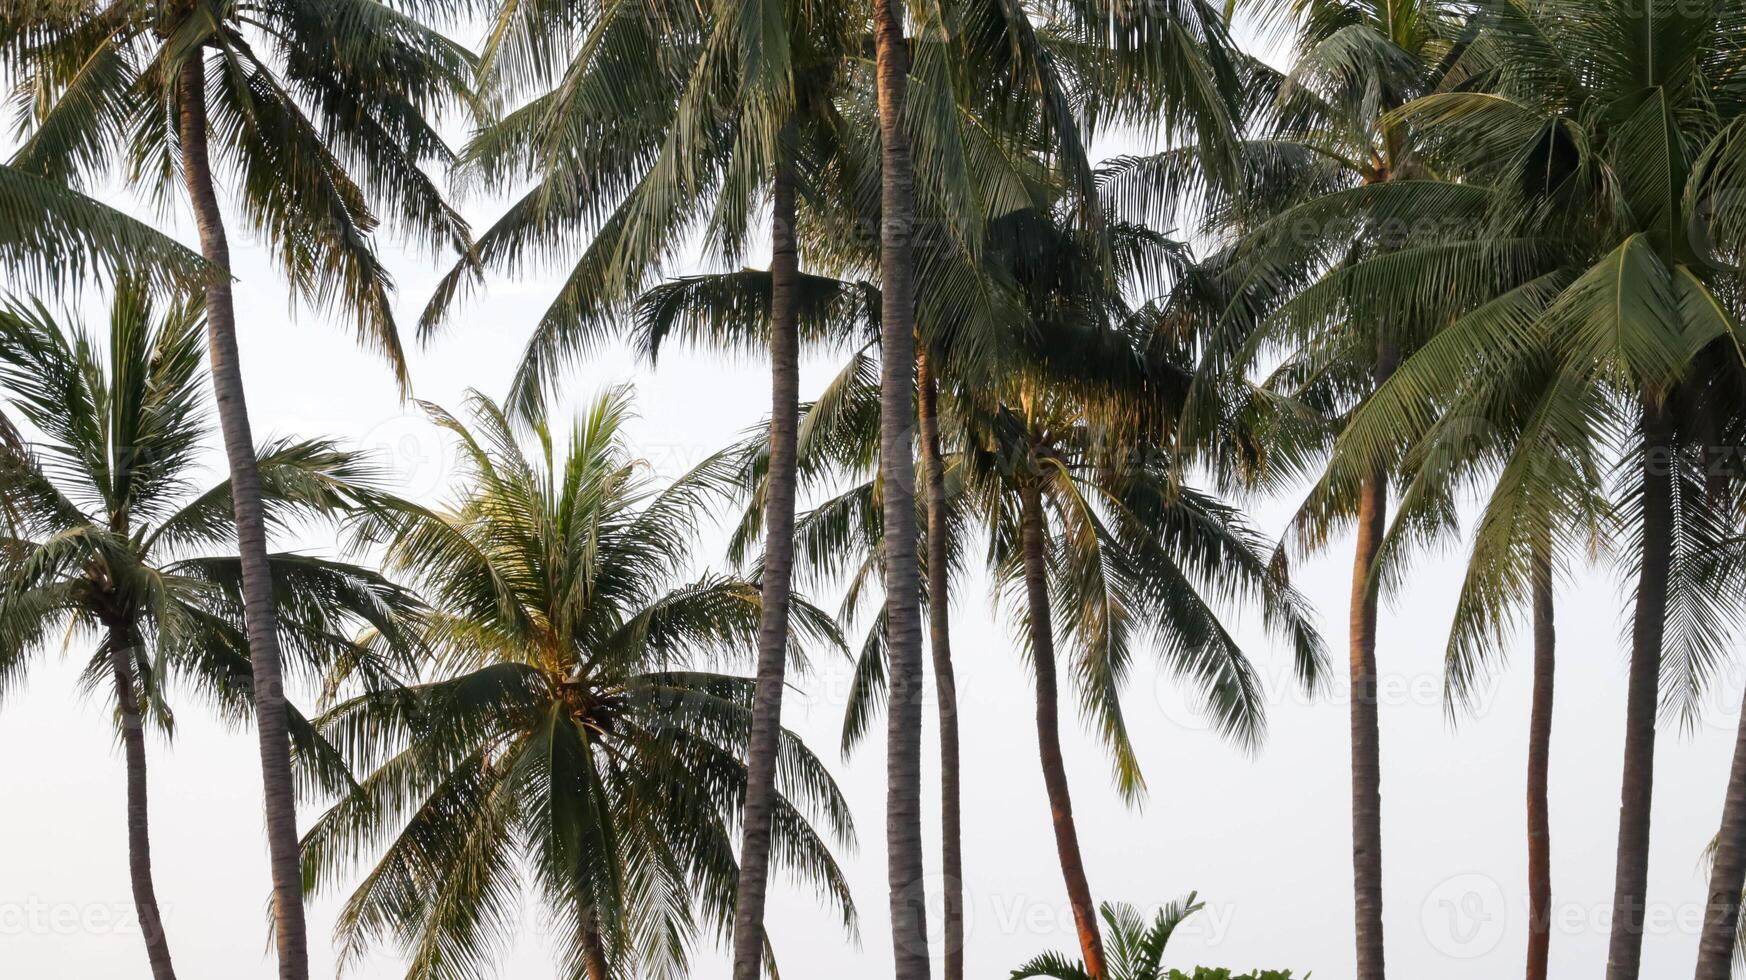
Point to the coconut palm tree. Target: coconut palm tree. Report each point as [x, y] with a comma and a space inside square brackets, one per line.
[1315, 197]
[1120, 587]
[108, 539]
[1136, 947]
[715, 107]
[318, 110]
[1545, 510]
[567, 734]
[1617, 169]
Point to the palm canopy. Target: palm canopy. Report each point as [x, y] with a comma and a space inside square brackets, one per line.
[50, 235]
[1137, 558]
[320, 105]
[649, 130]
[107, 533]
[1133, 552]
[1620, 166]
[567, 736]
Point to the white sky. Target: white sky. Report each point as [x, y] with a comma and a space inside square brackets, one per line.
[1264, 839]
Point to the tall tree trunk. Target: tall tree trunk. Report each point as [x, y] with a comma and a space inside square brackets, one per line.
[903, 838]
[1366, 736]
[1539, 766]
[1631, 881]
[1727, 874]
[945, 679]
[776, 584]
[1049, 732]
[139, 839]
[257, 583]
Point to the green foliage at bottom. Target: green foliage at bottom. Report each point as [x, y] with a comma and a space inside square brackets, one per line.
[1134, 949]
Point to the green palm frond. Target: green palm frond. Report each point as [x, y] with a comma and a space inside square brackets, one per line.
[562, 741]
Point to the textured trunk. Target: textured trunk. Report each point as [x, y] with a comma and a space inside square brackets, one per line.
[1366, 737]
[1539, 765]
[233, 416]
[594, 961]
[903, 838]
[775, 585]
[1727, 874]
[1049, 734]
[1631, 881]
[139, 839]
[945, 681]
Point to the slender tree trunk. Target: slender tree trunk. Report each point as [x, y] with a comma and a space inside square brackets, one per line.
[1727, 874]
[139, 840]
[257, 583]
[1366, 736]
[903, 838]
[776, 584]
[1539, 765]
[1631, 882]
[594, 961]
[945, 680]
[1049, 733]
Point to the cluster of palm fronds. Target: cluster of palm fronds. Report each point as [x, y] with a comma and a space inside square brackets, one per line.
[1483, 250]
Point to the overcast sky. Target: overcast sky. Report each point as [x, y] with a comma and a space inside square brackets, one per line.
[1263, 838]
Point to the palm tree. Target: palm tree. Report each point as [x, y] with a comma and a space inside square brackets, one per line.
[1325, 156]
[106, 538]
[903, 837]
[1132, 558]
[1629, 198]
[1122, 553]
[1136, 948]
[319, 107]
[566, 725]
[717, 109]
[1546, 510]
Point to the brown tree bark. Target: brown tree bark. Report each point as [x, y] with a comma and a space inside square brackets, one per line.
[1049, 732]
[1727, 874]
[1631, 877]
[1366, 735]
[594, 961]
[776, 584]
[903, 837]
[945, 679]
[289, 932]
[139, 839]
[1539, 768]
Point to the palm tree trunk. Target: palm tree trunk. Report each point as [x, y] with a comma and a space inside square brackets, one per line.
[257, 583]
[1049, 733]
[594, 962]
[903, 838]
[775, 585]
[1727, 874]
[1631, 881]
[945, 680]
[139, 840]
[1539, 765]
[1366, 736]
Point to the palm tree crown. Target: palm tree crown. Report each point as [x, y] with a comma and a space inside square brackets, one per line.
[107, 536]
[566, 721]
